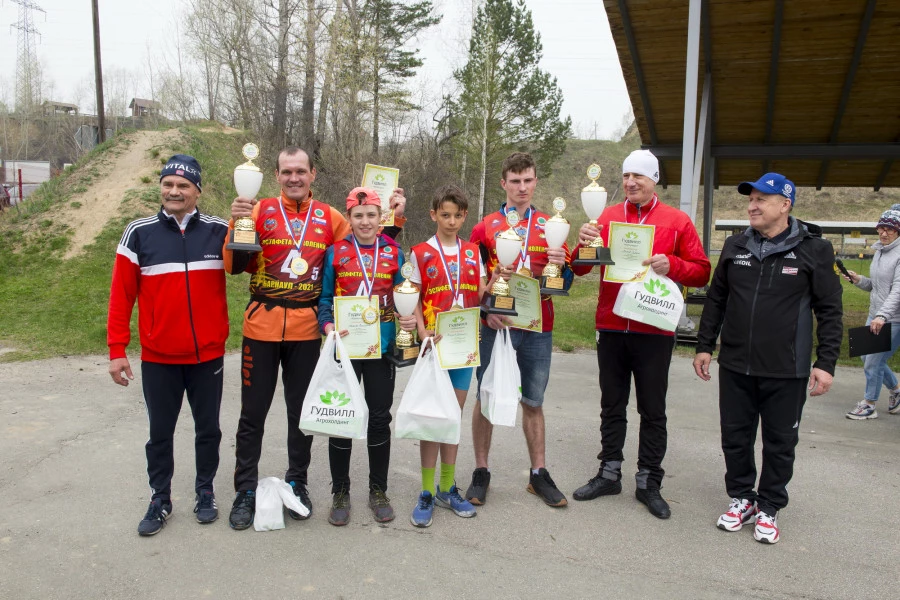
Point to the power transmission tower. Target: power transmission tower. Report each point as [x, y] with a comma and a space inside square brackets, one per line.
[28, 69]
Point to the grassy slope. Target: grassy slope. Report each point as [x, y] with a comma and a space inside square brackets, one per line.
[49, 306]
[53, 307]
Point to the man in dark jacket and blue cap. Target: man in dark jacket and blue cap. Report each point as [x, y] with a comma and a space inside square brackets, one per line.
[769, 282]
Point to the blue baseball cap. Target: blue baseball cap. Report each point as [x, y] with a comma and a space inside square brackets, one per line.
[770, 183]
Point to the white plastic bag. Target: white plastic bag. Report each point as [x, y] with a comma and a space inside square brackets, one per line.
[501, 384]
[334, 404]
[655, 301]
[272, 494]
[429, 409]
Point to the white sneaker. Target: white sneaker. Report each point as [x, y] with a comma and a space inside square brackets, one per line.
[863, 410]
[740, 512]
[766, 530]
[894, 402]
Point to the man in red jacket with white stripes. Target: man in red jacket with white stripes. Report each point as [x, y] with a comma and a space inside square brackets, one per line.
[171, 263]
[627, 348]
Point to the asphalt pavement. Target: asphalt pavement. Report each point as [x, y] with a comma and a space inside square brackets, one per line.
[73, 483]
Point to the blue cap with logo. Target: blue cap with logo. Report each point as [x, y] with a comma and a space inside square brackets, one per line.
[182, 165]
[770, 183]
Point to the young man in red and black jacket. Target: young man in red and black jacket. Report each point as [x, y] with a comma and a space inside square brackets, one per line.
[171, 263]
[533, 347]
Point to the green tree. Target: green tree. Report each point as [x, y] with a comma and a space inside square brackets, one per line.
[506, 102]
[392, 24]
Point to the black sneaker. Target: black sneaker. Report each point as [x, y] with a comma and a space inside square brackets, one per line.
[243, 510]
[542, 486]
[654, 501]
[380, 505]
[155, 519]
[477, 492]
[301, 493]
[598, 486]
[205, 507]
[340, 509]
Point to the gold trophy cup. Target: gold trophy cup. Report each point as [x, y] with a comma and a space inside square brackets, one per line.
[247, 181]
[509, 245]
[555, 231]
[406, 297]
[593, 199]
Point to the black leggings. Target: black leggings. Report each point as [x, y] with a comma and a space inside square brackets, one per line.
[259, 375]
[377, 377]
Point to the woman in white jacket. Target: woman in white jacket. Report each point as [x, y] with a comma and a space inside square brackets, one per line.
[884, 307]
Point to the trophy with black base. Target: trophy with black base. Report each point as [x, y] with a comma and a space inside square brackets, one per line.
[406, 297]
[556, 231]
[247, 181]
[593, 199]
[509, 246]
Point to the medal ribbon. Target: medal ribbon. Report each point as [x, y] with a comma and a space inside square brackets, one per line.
[523, 253]
[290, 230]
[369, 285]
[453, 290]
[641, 222]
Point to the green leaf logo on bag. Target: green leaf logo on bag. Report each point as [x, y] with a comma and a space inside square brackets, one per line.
[656, 287]
[334, 398]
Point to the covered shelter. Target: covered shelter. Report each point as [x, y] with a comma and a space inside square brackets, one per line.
[808, 88]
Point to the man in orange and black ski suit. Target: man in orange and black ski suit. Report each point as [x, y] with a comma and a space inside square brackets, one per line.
[280, 322]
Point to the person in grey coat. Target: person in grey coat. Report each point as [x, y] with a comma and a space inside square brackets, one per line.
[883, 283]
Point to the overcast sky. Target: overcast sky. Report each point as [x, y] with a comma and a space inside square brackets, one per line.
[578, 50]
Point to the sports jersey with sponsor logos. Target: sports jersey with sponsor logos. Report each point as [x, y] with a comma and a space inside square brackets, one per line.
[438, 283]
[344, 277]
[272, 276]
[531, 227]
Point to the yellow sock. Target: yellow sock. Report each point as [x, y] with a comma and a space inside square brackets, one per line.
[428, 479]
[448, 477]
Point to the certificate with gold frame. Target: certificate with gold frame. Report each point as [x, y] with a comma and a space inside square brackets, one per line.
[360, 316]
[629, 246]
[383, 180]
[459, 331]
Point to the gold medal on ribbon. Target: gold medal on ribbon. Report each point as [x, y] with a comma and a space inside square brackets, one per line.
[369, 315]
[299, 266]
[524, 271]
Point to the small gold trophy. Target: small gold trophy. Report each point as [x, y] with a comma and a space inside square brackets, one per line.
[406, 297]
[556, 231]
[593, 199]
[247, 181]
[509, 245]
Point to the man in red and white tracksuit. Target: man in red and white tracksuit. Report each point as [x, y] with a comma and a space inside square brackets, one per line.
[627, 348]
[171, 263]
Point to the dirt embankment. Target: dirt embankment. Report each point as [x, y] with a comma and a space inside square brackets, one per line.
[119, 172]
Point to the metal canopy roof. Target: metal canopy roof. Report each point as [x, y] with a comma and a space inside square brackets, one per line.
[808, 88]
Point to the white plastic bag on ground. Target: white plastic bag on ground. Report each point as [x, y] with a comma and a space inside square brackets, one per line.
[655, 301]
[334, 404]
[429, 409]
[269, 514]
[501, 384]
[272, 495]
